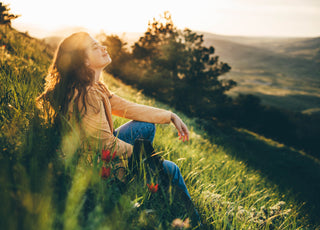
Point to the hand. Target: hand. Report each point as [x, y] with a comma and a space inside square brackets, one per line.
[183, 131]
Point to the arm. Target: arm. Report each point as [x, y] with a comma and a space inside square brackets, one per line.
[130, 110]
[123, 108]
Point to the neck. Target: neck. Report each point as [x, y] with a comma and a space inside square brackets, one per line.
[97, 75]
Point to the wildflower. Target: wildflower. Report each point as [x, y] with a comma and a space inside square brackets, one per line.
[153, 188]
[105, 172]
[105, 155]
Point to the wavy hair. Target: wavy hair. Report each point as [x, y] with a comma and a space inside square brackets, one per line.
[67, 74]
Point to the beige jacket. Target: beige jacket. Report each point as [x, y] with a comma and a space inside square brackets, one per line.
[97, 122]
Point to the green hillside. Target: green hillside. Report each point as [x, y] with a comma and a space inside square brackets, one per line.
[237, 179]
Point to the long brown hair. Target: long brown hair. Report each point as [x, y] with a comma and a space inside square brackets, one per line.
[67, 74]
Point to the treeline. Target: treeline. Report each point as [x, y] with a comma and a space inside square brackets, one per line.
[173, 66]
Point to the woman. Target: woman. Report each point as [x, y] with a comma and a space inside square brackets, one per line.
[73, 89]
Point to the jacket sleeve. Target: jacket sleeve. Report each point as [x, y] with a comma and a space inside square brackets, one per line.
[97, 129]
[123, 108]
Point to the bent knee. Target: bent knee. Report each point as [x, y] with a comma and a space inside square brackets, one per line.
[151, 126]
[171, 167]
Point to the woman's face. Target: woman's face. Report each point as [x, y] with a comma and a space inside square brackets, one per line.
[97, 55]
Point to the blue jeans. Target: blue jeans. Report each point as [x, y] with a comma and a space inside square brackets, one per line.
[133, 130]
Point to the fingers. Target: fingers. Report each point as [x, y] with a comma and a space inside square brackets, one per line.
[182, 137]
[183, 131]
[184, 134]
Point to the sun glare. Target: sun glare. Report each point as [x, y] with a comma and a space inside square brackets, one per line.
[116, 16]
[241, 17]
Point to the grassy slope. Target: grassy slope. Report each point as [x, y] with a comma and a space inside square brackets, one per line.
[236, 178]
[239, 167]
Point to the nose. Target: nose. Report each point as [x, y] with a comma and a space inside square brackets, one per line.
[104, 48]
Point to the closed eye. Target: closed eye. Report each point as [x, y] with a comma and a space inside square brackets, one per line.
[95, 45]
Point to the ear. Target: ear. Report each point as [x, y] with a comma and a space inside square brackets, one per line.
[86, 62]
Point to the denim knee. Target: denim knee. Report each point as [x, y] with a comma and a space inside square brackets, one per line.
[172, 170]
[175, 176]
[151, 130]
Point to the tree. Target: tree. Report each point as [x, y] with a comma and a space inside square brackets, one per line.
[160, 32]
[189, 69]
[5, 16]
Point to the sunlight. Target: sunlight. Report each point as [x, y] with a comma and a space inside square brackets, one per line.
[229, 17]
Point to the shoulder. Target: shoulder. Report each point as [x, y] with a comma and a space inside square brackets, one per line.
[103, 89]
[93, 99]
[93, 90]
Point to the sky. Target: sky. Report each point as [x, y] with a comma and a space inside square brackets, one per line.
[274, 18]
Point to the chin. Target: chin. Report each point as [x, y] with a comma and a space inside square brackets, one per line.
[108, 62]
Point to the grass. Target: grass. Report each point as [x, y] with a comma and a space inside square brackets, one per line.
[237, 179]
[240, 171]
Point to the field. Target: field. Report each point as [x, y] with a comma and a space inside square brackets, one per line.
[237, 179]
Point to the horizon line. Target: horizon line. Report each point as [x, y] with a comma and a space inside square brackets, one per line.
[35, 29]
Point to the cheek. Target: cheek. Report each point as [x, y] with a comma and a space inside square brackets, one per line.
[90, 58]
[93, 59]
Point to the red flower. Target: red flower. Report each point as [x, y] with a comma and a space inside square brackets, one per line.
[105, 155]
[153, 188]
[105, 172]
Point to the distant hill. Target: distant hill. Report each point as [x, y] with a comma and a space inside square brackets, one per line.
[283, 72]
[286, 45]
[287, 56]
[307, 48]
